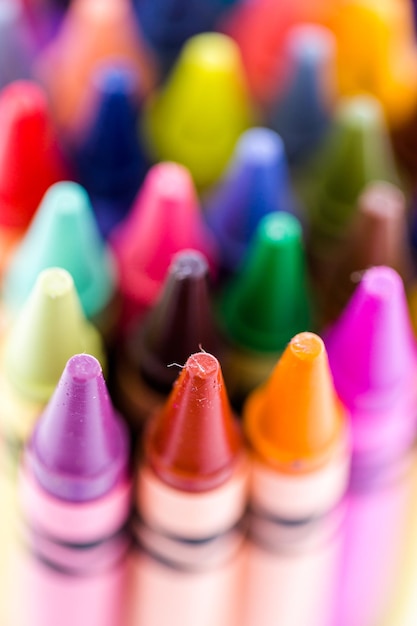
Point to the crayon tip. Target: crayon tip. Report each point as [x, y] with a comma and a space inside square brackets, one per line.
[378, 236]
[103, 31]
[193, 442]
[358, 151]
[310, 78]
[203, 108]
[108, 155]
[371, 347]
[267, 303]
[180, 323]
[63, 234]
[15, 43]
[29, 157]
[49, 329]
[295, 420]
[79, 448]
[255, 184]
[164, 220]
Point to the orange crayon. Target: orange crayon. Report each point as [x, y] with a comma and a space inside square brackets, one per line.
[297, 431]
[101, 30]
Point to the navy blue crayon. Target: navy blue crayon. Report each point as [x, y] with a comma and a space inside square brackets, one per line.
[108, 156]
[167, 24]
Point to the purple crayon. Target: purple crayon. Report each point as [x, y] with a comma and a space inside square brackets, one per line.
[75, 496]
[373, 358]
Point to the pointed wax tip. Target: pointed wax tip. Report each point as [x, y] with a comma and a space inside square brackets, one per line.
[295, 421]
[79, 449]
[193, 443]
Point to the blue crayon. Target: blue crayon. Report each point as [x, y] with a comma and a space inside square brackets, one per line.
[109, 159]
[167, 24]
[301, 114]
[255, 184]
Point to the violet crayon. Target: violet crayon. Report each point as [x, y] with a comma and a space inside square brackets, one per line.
[75, 498]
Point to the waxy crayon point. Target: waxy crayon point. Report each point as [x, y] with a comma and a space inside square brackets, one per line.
[378, 236]
[202, 109]
[29, 155]
[63, 234]
[49, 330]
[255, 184]
[164, 220]
[180, 322]
[193, 440]
[79, 448]
[295, 420]
[358, 144]
[107, 152]
[267, 303]
[310, 51]
[374, 336]
[16, 45]
[103, 31]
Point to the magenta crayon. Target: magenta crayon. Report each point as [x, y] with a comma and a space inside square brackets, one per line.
[191, 494]
[373, 358]
[164, 219]
[298, 436]
[180, 323]
[75, 498]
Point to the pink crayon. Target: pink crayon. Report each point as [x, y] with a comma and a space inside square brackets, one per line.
[372, 354]
[75, 497]
[164, 220]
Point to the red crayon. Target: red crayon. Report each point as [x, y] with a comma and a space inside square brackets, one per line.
[30, 160]
[191, 493]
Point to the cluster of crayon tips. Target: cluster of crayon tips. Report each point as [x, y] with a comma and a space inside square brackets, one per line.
[208, 307]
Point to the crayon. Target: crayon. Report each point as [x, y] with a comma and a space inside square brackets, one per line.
[107, 154]
[377, 236]
[255, 184]
[266, 304]
[202, 108]
[383, 59]
[16, 46]
[75, 491]
[49, 329]
[180, 323]
[30, 160]
[64, 234]
[373, 358]
[260, 29]
[310, 77]
[165, 218]
[102, 31]
[168, 24]
[357, 151]
[191, 494]
[298, 435]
